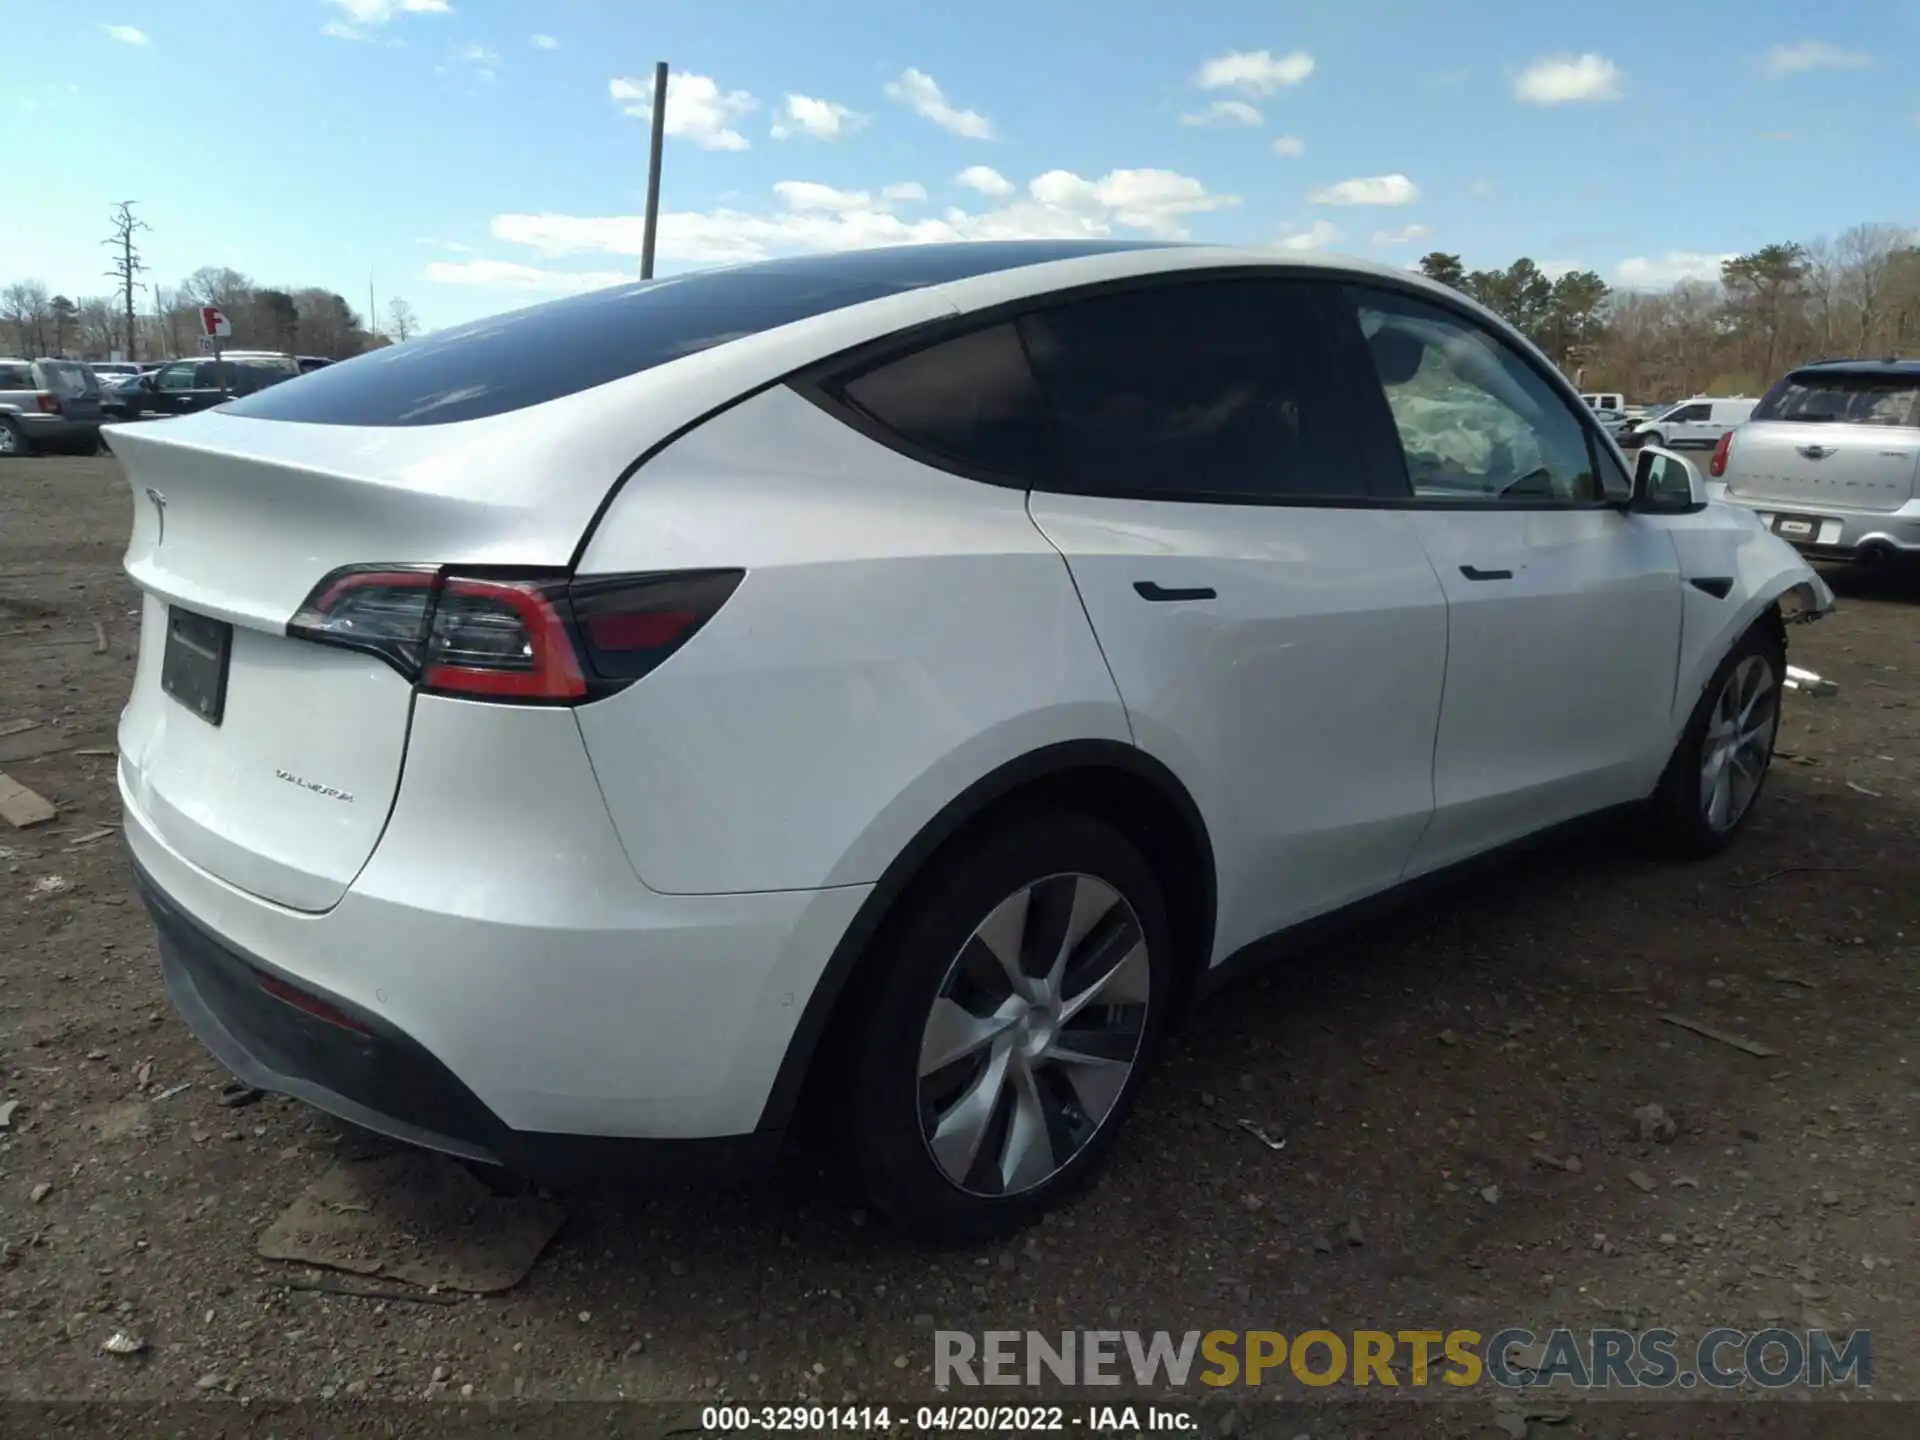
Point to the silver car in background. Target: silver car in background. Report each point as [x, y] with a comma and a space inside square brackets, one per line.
[48, 405]
[1830, 460]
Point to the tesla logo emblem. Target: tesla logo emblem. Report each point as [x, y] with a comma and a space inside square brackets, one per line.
[160, 513]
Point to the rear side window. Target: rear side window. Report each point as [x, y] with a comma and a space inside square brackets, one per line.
[16, 377]
[970, 400]
[68, 378]
[1222, 390]
[1844, 399]
[531, 356]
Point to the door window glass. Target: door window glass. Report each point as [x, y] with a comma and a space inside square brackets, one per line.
[1221, 390]
[1477, 421]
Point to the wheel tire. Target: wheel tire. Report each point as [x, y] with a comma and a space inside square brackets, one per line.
[13, 444]
[929, 954]
[1681, 823]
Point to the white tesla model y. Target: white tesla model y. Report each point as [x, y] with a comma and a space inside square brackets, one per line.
[904, 677]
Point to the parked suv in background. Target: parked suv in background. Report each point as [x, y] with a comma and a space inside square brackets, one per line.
[181, 387]
[1831, 459]
[50, 405]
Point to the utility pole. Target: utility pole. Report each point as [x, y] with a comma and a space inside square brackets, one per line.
[373, 315]
[127, 265]
[653, 170]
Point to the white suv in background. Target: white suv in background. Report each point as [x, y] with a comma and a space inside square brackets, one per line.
[891, 685]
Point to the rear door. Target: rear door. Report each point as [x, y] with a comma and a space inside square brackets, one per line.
[1563, 610]
[1277, 636]
[173, 387]
[1849, 440]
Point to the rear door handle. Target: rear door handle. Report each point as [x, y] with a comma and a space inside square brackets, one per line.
[1474, 572]
[1147, 590]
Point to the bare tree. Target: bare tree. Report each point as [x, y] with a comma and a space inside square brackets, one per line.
[1867, 252]
[402, 323]
[99, 325]
[27, 307]
[1823, 294]
[127, 265]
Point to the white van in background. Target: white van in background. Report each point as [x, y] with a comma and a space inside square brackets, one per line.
[1698, 422]
[1607, 400]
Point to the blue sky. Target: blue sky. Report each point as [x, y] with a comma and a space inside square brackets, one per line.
[475, 154]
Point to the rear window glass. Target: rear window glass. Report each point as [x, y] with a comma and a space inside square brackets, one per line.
[527, 357]
[1844, 399]
[69, 379]
[16, 377]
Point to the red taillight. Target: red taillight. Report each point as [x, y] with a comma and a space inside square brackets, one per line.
[1717, 466]
[311, 1004]
[49, 404]
[502, 640]
[538, 639]
[631, 623]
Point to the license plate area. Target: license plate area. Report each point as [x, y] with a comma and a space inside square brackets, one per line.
[194, 669]
[1795, 527]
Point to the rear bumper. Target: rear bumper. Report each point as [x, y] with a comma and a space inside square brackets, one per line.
[1841, 534]
[378, 1077]
[503, 960]
[44, 429]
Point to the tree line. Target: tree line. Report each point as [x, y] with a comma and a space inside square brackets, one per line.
[306, 321]
[1856, 296]
[164, 322]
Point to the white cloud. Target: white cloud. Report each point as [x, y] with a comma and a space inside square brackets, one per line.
[1406, 235]
[1371, 190]
[1646, 272]
[987, 180]
[1316, 236]
[822, 119]
[1813, 55]
[697, 108]
[477, 60]
[813, 217]
[545, 42]
[1291, 146]
[805, 195]
[917, 91]
[1256, 72]
[1224, 112]
[362, 15]
[1561, 79]
[1482, 190]
[127, 35]
[905, 190]
[507, 275]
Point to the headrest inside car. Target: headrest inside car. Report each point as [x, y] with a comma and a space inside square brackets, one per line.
[1396, 355]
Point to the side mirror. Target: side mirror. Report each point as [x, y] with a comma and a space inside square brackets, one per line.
[1666, 484]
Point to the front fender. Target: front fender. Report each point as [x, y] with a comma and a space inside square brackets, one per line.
[1726, 545]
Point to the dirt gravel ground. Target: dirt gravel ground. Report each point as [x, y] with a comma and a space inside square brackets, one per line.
[1414, 1070]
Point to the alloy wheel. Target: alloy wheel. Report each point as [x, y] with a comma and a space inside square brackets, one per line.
[9, 441]
[1033, 1034]
[1738, 745]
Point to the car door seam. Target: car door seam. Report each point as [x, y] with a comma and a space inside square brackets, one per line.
[1126, 714]
[1440, 708]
